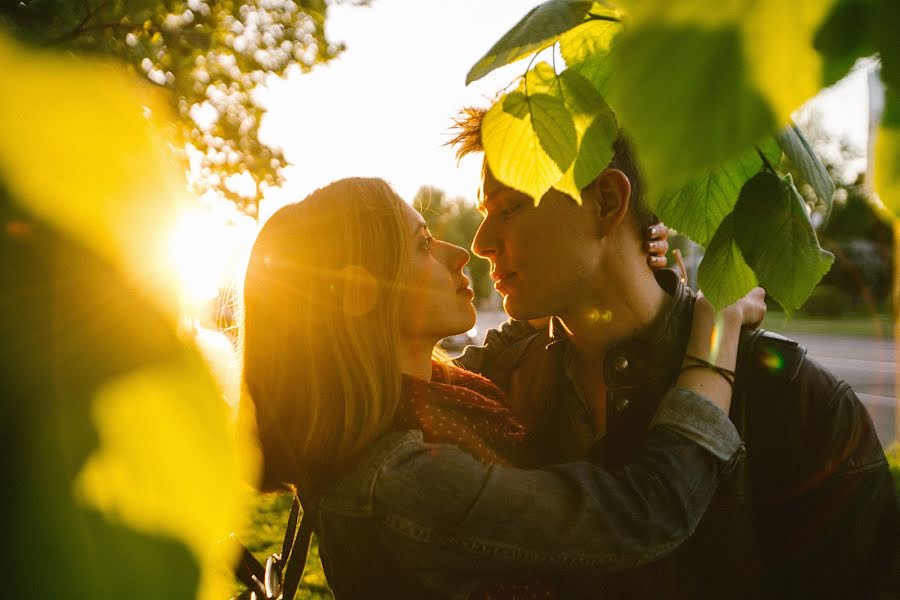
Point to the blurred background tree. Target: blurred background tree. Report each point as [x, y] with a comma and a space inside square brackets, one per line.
[456, 220]
[210, 54]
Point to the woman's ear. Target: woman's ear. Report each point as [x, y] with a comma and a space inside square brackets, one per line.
[360, 290]
[609, 195]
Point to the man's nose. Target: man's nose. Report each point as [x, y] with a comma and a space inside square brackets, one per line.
[485, 242]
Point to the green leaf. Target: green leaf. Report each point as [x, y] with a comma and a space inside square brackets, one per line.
[887, 26]
[554, 127]
[801, 154]
[887, 153]
[683, 95]
[697, 208]
[723, 274]
[538, 29]
[777, 239]
[847, 34]
[513, 150]
[594, 124]
[586, 50]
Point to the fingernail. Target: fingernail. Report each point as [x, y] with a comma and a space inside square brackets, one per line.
[651, 230]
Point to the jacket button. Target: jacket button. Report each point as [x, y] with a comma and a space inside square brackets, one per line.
[620, 363]
[622, 404]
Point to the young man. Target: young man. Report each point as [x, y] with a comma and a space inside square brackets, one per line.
[812, 512]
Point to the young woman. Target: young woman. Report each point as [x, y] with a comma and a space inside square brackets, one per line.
[408, 465]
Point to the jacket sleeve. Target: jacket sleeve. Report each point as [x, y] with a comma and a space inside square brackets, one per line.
[436, 505]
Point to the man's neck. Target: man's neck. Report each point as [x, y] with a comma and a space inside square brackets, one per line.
[629, 301]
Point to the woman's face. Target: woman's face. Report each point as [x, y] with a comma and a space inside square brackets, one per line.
[437, 299]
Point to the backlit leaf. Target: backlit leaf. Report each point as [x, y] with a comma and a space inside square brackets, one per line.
[554, 127]
[723, 274]
[777, 239]
[697, 208]
[595, 125]
[538, 29]
[512, 148]
[801, 154]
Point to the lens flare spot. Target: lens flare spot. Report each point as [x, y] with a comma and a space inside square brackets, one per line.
[771, 360]
[599, 315]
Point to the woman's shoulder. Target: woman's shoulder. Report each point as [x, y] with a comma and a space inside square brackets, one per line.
[352, 490]
[396, 470]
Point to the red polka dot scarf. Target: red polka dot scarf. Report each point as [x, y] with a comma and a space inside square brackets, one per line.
[464, 409]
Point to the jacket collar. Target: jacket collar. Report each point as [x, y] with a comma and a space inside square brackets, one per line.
[653, 353]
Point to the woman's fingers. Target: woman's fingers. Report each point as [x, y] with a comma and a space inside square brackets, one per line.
[657, 245]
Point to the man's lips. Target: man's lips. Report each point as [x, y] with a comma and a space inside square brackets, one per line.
[502, 280]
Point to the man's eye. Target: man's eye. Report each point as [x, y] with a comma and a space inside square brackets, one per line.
[508, 212]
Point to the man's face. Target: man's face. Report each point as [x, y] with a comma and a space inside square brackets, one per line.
[544, 258]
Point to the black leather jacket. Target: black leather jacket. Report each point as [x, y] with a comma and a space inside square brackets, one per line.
[811, 513]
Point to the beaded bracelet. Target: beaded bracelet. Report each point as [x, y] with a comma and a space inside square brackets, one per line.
[699, 363]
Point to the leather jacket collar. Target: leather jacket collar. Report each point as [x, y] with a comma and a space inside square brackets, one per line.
[651, 355]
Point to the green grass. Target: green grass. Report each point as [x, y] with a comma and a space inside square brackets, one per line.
[879, 325]
[266, 531]
[264, 535]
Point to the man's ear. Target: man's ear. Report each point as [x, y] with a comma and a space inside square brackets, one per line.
[609, 195]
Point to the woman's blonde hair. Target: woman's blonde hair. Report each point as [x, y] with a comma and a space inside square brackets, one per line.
[321, 369]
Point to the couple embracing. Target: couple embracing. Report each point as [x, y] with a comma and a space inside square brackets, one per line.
[616, 438]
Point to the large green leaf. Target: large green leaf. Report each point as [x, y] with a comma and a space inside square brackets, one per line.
[801, 154]
[697, 208]
[594, 124]
[777, 239]
[538, 29]
[723, 274]
[847, 34]
[513, 150]
[682, 93]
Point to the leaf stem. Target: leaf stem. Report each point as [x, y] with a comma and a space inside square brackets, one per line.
[596, 17]
[765, 160]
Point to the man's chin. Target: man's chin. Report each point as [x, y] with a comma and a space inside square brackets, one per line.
[518, 310]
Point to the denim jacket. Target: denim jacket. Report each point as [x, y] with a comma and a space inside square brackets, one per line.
[811, 513]
[418, 520]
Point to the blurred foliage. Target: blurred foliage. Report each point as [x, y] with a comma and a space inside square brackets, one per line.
[210, 54]
[456, 220]
[125, 465]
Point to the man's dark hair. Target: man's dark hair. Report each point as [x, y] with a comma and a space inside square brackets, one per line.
[467, 140]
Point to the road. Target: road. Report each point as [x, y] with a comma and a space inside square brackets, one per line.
[868, 364]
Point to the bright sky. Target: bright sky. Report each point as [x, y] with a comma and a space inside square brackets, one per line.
[384, 107]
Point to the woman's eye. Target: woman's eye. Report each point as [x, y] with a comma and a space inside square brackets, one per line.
[425, 244]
